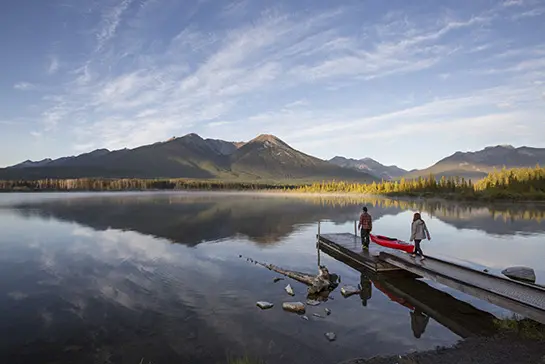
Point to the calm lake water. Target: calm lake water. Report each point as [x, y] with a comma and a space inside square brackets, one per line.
[121, 277]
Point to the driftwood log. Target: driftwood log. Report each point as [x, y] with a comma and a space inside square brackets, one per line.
[323, 282]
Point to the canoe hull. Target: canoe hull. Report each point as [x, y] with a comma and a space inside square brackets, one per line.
[392, 243]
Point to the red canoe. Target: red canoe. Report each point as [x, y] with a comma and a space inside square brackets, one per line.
[392, 243]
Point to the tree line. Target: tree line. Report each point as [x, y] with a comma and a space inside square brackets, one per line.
[133, 184]
[505, 183]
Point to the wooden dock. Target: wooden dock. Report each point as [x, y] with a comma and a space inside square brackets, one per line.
[348, 246]
[525, 299]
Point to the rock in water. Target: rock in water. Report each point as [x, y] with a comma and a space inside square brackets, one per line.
[278, 279]
[317, 315]
[347, 291]
[264, 305]
[296, 307]
[290, 290]
[305, 318]
[313, 302]
[327, 311]
[520, 273]
[331, 336]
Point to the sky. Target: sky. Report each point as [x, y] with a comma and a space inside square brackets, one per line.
[403, 82]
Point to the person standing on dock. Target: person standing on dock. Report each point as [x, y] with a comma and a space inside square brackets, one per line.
[419, 232]
[365, 226]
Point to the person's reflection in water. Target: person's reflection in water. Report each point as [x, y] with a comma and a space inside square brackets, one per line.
[366, 289]
[419, 321]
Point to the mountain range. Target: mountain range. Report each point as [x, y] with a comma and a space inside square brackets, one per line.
[475, 165]
[264, 158]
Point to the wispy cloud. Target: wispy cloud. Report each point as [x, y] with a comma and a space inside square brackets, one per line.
[529, 14]
[24, 86]
[509, 3]
[110, 21]
[53, 65]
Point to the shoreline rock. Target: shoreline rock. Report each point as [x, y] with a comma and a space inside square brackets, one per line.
[499, 349]
[264, 305]
[519, 273]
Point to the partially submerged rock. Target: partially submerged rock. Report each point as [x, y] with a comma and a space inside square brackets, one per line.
[327, 311]
[348, 291]
[278, 279]
[331, 336]
[264, 305]
[317, 315]
[296, 307]
[313, 302]
[305, 318]
[289, 290]
[524, 274]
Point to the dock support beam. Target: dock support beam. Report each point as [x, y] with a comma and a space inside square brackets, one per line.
[318, 244]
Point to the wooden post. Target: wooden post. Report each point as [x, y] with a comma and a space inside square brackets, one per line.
[318, 237]
[318, 252]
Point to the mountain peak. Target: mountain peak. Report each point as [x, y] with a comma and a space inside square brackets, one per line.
[269, 140]
[266, 138]
[500, 146]
[193, 136]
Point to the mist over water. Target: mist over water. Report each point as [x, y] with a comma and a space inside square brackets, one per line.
[117, 277]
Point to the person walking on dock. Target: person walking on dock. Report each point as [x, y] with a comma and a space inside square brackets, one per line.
[419, 232]
[365, 226]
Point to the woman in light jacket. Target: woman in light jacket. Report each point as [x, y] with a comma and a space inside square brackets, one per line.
[419, 232]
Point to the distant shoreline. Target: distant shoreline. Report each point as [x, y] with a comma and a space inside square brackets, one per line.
[279, 192]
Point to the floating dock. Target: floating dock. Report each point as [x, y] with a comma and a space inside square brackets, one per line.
[522, 298]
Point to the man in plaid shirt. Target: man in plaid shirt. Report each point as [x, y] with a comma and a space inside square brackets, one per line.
[365, 226]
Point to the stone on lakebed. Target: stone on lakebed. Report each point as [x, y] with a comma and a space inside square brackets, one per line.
[296, 307]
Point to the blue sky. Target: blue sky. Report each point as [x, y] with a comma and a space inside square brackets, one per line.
[406, 83]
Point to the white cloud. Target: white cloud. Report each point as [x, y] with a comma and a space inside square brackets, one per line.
[24, 86]
[529, 14]
[53, 65]
[509, 3]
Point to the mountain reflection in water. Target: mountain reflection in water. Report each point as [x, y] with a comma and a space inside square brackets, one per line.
[266, 219]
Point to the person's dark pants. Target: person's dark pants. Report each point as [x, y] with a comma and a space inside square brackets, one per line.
[417, 249]
[365, 237]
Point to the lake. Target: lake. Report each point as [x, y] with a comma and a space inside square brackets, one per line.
[158, 277]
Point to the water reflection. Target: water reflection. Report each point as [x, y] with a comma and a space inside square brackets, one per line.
[95, 278]
[190, 219]
[423, 302]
